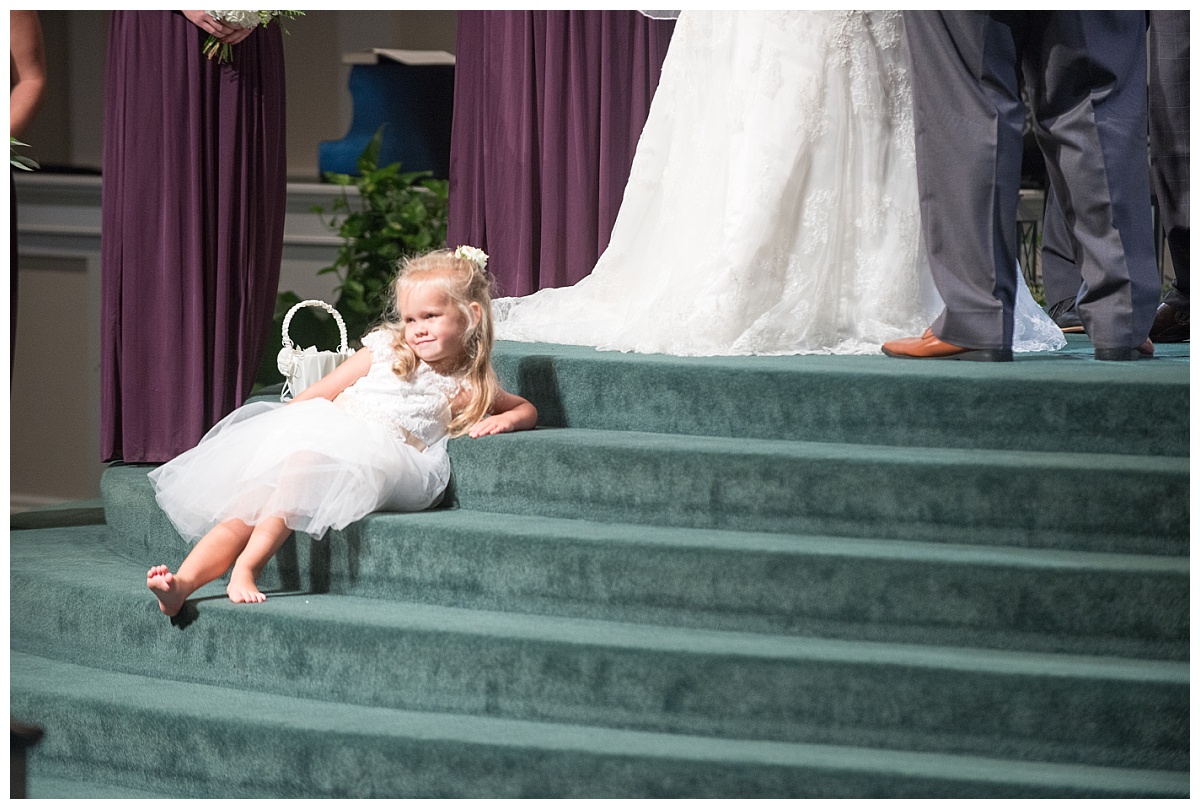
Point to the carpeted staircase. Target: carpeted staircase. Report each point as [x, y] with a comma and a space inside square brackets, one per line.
[709, 577]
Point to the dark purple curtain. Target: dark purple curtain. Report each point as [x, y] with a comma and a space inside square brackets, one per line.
[548, 109]
[194, 189]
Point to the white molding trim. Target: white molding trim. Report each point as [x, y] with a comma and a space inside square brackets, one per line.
[31, 502]
[59, 216]
[67, 207]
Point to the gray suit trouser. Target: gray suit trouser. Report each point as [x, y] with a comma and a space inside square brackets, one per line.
[1085, 73]
[1169, 42]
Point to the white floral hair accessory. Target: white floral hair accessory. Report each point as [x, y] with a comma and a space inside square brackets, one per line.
[473, 255]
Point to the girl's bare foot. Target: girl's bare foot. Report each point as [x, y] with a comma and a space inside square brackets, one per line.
[243, 590]
[166, 589]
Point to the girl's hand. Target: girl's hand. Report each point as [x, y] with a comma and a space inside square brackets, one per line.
[509, 413]
[492, 425]
[223, 31]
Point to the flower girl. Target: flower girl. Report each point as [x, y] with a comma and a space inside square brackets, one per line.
[370, 435]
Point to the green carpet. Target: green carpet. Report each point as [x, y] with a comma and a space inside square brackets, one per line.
[569, 670]
[702, 577]
[1064, 500]
[1063, 401]
[996, 596]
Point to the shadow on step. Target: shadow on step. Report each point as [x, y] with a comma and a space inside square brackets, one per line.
[190, 612]
[290, 567]
[83, 513]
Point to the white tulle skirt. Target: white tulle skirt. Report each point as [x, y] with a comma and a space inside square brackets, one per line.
[311, 463]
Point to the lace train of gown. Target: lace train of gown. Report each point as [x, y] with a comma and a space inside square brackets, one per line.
[772, 205]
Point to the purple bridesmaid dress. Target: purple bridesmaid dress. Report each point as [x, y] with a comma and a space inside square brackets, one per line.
[194, 187]
[548, 109]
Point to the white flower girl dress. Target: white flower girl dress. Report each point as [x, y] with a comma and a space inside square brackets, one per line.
[381, 445]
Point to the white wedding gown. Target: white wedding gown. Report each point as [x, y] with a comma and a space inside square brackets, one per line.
[772, 204]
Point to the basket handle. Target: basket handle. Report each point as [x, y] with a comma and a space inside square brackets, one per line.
[287, 321]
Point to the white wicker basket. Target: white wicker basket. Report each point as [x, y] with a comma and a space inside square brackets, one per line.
[303, 367]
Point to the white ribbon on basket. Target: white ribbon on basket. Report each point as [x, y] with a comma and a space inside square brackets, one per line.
[303, 367]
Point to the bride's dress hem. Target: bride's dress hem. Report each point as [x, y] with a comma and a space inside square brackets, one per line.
[772, 206]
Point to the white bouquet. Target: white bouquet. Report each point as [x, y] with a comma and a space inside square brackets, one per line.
[214, 48]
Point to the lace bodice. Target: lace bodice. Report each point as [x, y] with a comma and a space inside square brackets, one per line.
[418, 405]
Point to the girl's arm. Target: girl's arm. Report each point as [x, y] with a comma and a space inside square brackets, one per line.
[509, 413]
[339, 378]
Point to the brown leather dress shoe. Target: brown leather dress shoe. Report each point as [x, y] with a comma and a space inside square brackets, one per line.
[928, 347]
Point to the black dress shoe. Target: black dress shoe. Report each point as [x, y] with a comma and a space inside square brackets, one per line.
[1066, 315]
[1172, 324]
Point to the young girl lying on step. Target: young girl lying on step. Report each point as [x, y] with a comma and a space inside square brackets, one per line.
[371, 435]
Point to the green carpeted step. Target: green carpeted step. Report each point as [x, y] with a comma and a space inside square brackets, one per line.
[1113, 604]
[138, 527]
[1064, 601]
[194, 740]
[47, 787]
[1050, 402]
[1093, 710]
[1059, 500]
[763, 591]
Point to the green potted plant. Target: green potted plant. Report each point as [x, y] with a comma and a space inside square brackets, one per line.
[20, 161]
[396, 214]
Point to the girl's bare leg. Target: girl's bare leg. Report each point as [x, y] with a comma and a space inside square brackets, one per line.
[265, 540]
[213, 555]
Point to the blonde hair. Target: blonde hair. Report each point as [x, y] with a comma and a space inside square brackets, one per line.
[464, 283]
